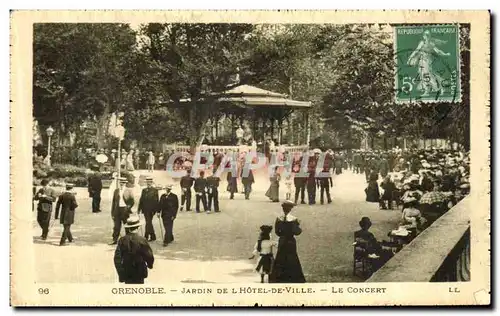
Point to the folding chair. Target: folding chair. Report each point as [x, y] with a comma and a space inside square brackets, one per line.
[360, 257]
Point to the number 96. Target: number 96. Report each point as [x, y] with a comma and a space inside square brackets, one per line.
[43, 291]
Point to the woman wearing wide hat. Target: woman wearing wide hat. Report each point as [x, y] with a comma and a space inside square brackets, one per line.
[133, 255]
[287, 267]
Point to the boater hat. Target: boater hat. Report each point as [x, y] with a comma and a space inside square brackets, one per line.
[133, 221]
[409, 199]
[122, 180]
[149, 179]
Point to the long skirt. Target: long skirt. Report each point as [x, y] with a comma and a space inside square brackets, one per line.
[273, 192]
[286, 267]
[372, 192]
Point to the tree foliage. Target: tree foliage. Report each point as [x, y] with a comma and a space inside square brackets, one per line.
[82, 71]
[193, 61]
[165, 78]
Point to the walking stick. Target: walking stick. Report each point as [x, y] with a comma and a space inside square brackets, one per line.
[161, 226]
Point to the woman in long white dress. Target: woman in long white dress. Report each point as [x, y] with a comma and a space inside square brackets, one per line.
[130, 161]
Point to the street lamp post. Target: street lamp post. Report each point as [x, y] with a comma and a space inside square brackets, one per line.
[120, 134]
[50, 132]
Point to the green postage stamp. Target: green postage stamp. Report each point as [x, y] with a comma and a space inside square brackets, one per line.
[427, 63]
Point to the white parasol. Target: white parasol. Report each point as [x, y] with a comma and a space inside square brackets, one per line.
[101, 158]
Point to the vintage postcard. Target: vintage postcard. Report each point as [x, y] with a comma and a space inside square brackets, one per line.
[241, 158]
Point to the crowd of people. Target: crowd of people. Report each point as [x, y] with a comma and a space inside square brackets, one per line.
[426, 183]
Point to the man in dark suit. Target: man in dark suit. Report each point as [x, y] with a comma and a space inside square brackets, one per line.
[148, 204]
[121, 208]
[95, 188]
[213, 192]
[232, 184]
[356, 162]
[311, 187]
[186, 184]
[325, 184]
[133, 255]
[45, 197]
[300, 185]
[66, 203]
[247, 181]
[200, 187]
[169, 203]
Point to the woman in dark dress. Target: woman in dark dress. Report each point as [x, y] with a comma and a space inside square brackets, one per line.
[372, 191]
[273, 193]
[286, 267]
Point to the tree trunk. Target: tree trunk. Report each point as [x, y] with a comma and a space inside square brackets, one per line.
[197, 126]
[102, 127]
[290, 87]
[385, 142]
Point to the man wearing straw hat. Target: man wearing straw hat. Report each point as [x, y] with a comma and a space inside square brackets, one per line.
[121, 208]
[66, 203]
[148, 204]
[133, 255]
[45, 197]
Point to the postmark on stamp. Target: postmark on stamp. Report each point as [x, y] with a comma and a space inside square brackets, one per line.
[427, 61]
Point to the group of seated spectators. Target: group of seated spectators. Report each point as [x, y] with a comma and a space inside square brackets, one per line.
[426, 183]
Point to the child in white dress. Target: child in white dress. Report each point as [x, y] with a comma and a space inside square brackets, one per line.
[288, 186]
[264, 248]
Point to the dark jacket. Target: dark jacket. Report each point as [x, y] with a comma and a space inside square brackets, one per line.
[133, 256]
[66, 203]
[357, 159]
[169, 204]
[187, 181]
[389, 188]
[213, 182]
[45, 203]
[128, 197]
[249, 179]
[148, 202]
[200, 185]
[367, 241]
[95, 183]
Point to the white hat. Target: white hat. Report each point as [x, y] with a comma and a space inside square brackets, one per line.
[133, 221]
[409, 199]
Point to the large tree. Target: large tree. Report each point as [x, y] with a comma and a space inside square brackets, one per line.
[194, 62]
[83, 71]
